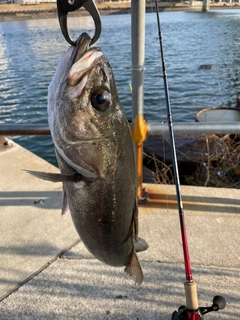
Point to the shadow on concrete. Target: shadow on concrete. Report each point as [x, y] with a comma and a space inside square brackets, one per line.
[28, 249]
[41, 199]
[91, 290]
[194, 203]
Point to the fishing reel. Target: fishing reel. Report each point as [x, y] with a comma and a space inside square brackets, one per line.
[184, 313]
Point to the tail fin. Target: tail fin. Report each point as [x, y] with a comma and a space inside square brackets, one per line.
[134, 269]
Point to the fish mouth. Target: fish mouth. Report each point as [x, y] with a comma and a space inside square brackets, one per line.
[82, 60]
[82, 46]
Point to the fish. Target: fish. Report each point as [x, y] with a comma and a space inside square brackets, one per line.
[95, 154]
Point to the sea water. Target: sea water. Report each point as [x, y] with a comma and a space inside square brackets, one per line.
[30, 51]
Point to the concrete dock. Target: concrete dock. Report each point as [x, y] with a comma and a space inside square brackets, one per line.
[46, 272]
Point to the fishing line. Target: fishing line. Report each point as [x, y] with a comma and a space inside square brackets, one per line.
[188, 271]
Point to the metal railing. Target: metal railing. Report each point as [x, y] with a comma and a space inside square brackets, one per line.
[24, 130]
[153, 128]
[195, 128]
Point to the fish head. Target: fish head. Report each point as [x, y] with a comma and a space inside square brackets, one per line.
[86, 119]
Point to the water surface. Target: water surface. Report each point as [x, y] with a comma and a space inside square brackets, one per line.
[30, 51]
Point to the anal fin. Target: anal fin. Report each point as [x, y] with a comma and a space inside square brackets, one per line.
[140, 245]
[134, 269]
[64, 202]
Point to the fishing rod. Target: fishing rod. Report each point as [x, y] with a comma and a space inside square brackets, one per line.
[191, 311]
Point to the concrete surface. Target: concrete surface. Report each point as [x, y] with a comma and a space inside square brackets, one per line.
[75, 285]
[32, 230]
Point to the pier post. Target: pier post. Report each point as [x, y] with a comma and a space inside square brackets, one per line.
[138, 56]
[205, 5]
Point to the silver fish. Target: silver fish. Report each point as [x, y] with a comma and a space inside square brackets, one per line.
[95, 154]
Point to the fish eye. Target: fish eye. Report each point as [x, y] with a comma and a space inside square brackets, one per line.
[100, 99]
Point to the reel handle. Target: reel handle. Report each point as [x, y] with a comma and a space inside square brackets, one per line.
[219, 302]
[184, 313]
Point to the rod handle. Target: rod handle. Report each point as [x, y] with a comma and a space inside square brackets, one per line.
[191, 295]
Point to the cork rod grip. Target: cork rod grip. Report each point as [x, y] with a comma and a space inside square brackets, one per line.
[191, 295]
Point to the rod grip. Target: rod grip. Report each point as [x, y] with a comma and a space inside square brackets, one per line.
[191, 295]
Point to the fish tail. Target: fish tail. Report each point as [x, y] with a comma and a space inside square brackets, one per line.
[134, 269]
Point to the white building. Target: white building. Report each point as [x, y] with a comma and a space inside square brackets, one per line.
[33, 1]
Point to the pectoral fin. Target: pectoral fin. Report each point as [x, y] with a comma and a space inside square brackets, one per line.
[134, 269]
[56, 177]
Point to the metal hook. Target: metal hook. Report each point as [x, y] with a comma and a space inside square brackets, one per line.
[65, 6]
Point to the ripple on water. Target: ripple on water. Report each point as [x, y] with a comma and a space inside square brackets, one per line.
[30, 51]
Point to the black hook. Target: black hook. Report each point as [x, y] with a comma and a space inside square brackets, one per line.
[65, 6]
